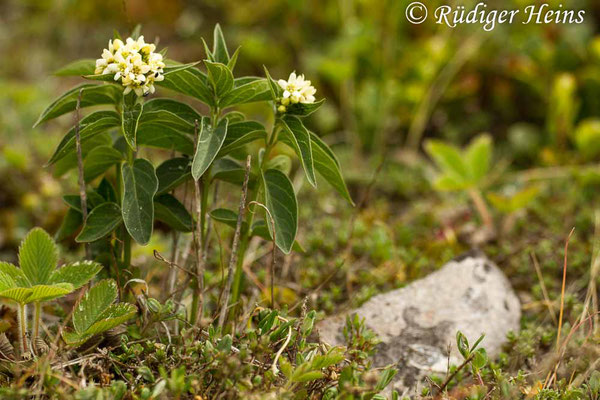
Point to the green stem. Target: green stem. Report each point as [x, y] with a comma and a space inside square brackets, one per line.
[37, 316]
[22, 317]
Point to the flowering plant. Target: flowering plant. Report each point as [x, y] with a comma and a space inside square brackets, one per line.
[200, 150]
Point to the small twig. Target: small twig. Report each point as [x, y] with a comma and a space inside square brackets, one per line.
[453, 374]
[538, 271]
[562, 291]
[236, 242]
[197, 237]
[82, 193]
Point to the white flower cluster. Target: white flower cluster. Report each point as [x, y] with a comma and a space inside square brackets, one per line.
[134, 64]
[295, 90]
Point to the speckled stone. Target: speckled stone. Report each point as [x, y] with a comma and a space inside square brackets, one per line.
[418, 323]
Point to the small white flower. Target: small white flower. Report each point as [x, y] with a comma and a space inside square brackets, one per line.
[134, 64]
[295, 90]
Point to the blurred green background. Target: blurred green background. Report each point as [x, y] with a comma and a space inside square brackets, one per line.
[388, 83]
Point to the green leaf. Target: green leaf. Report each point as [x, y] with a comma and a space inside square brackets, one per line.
[230, 171]
[227, 217]
[93, 200]
[98, 160]
[107, 191]
[89, 126]
[131, 112]
[174, 67]
[100, 222]
[191, 82]
[259, 228]
[307, 376]
[209, 144]
[70, 223]
[168, 125]
[233, 59]
[38, 256]
[240, 134]
[220, 77]
[6, 281]
[16, 275]
[179, 109]
[41, 293]
[463, 344]
[448, 159]
[77, 274]
[92, 95]
[170, 211]
[93, 304]
[478, 156]
[165, 136]
[219, 52]
[69, 161]
[18, 294]
[172, 173]
[297, 135]
[139, 187]
[85, 66]
[281, 202]
[276, 90]
[114, 315]
[257, 90]
[328, 167]
[304, 109]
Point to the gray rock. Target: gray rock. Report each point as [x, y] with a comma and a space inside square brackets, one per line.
[418, 323]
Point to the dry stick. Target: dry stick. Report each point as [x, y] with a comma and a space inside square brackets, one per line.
[236, 244]
[592, 294]
[461, 366]
[562, 291]
[82, 194]
[538, 271]
[197, 237]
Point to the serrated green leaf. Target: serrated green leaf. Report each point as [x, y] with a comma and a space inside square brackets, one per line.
[77, 273]
[92, 95]
[85, 66]
[170, 211]
[40, 293]
[172, 173]
[328, 167]
[98, 160]
[220, 77]
[298, 136]
[210, 142]
[7, 282]
[257, 90]
[114, 315]
[38, 256]
[17, 294]
[89, 127]
[101, 221]
[240, 134]
[93, 304]
[16, 275]
[281, 202]
[139, 187]
[131, 113]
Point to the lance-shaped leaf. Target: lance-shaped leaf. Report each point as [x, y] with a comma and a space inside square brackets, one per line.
[139, 187]
[85, 66]
[191, 82]
[210, 142]
[227, 217]
[283, 206]
[92, 95]
[170, 211]
[219, 52]
[240, 134]
[95, 313]
[98, 160]
[328, 166]
[276, 90]
[101, 221]
[38, 256]
[167, 125]
[77, 273]
[253, 91]
[178, 108]
[131, 113]
[304, 109]
[220, 77]
[172, 173]
[89, 126]
[297, 136]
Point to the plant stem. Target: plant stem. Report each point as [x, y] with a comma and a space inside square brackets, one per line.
[37, 316]
[22, 329]
[235, 245]
[456, 371]
[482, 209]
[198, 300]
[82, 193]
